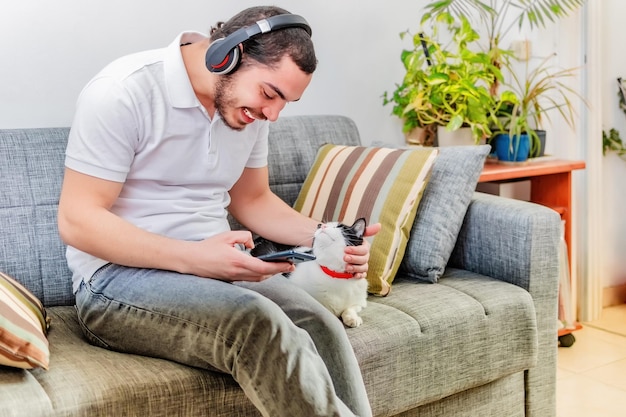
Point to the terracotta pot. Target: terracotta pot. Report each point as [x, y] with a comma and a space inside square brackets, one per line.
[424, 136]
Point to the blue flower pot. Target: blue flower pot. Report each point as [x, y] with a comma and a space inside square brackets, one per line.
[515, 149]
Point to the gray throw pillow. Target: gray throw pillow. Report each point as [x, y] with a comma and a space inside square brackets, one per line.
[441, 212]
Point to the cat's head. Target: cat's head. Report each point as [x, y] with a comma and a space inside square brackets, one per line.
[331, 240]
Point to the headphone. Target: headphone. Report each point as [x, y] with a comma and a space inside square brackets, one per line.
[224, 54]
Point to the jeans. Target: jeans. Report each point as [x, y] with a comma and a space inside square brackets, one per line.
[290, 355]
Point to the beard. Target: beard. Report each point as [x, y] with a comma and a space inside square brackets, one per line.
[224, 100]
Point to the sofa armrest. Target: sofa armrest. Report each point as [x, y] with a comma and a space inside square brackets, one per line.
[518, 242]
[511, 240]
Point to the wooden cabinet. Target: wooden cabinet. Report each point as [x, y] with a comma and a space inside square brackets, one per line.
[550, 184]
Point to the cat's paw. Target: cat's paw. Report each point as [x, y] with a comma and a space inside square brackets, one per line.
[351, 318]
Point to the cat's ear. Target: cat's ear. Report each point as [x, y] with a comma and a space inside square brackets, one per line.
[359, 226]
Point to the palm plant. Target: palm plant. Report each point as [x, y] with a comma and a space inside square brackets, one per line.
[499, 17]
[429, 94]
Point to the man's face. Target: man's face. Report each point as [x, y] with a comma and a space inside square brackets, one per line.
[257, 92]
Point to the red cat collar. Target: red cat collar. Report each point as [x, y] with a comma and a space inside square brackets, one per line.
[335, 274]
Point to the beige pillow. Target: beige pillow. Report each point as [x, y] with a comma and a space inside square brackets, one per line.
[23, 327]
[383, 185]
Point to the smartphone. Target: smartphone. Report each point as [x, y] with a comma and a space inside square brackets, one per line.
[291, 255]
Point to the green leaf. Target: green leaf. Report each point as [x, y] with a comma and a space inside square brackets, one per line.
[455, 123]
[437, 78]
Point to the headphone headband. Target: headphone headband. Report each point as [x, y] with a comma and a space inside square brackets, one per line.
[223, 55]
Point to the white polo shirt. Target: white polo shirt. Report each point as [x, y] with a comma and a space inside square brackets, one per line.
[139, 122]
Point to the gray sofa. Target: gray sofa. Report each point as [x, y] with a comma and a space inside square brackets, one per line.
[480, 342]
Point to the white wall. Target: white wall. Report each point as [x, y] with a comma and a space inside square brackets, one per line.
[50, 49]
[614, 174]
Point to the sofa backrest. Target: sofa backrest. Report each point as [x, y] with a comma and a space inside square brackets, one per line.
[293, 145]
[31, 172]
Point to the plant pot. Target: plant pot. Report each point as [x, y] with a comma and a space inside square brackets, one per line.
[424, 136]
[459, 137]
[511, 149]
[540, 151]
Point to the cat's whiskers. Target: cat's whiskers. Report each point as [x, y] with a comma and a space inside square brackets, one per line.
[301, 243]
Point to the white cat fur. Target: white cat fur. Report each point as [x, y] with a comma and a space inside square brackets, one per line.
[343, 297]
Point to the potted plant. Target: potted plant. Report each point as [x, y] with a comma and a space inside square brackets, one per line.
[446, 85]
[612, 142]
[531, 100]
[540, 90]
[497, 18]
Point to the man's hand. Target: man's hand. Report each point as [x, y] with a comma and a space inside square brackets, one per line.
[86, 223]
[357, 257]
[221, 257]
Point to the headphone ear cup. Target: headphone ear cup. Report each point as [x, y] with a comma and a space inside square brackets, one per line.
[217, 65]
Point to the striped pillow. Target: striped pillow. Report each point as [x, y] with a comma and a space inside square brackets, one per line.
[23, 327]
[381, 184]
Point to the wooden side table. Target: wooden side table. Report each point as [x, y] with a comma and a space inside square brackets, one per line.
[550, 184]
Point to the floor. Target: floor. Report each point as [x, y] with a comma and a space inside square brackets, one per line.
[591, 378]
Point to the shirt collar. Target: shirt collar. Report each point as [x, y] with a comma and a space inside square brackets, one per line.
[176, 79]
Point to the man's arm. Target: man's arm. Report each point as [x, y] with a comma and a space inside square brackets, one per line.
[86, 223]
[256, 207]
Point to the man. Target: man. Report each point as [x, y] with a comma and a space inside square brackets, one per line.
[163, 144]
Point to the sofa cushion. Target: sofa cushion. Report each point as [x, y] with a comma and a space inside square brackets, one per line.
[22, 395]
[86, 380]
[442, 209]
[428, 341]
[383, 185]
[23, 327]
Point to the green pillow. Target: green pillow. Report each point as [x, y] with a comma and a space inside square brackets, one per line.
[383, 185]
[23, 327]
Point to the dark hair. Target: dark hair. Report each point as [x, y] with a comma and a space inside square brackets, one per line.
[269, 48]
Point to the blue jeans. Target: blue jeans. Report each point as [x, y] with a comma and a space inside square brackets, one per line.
[290, 356]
